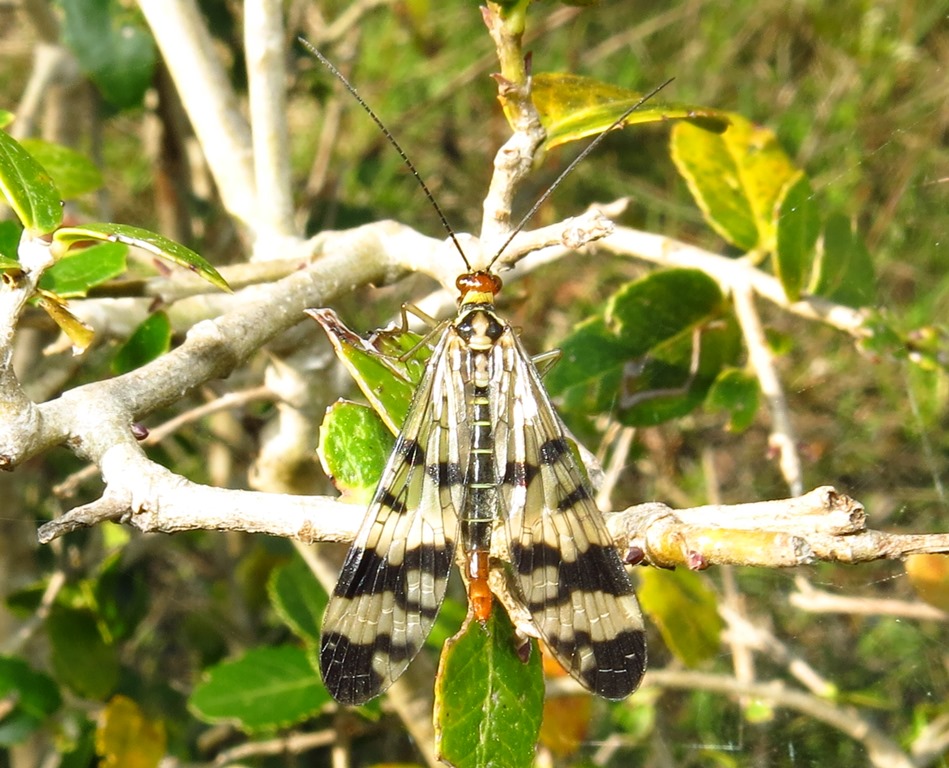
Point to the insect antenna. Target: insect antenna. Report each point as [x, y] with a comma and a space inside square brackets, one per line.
[569, 169]
[392, 140]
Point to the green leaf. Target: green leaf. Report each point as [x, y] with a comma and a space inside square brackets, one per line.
[28, 188]
[121, 594]
[33, 695]
[572, 107]
[674, 377]
[652, 353]
[844, 269]
[298, 598]
[488, 704]
[6, 118]
[735, 392]
[81, 658]
[354, 447]
[798, 229]
[72, 172]
[155, 244]
[75, 742]
[590, 366]
[640, 315]
[10, 232]
[113, 47]
[73, 275]
[684, 609]
[660, 306]
[376, 365]
[149, 341]
[735, 178]
[266, 688]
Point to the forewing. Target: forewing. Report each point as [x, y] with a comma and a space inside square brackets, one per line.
[565, 562]
[394, 577]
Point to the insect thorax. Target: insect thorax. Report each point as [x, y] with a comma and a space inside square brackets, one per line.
[480, 327]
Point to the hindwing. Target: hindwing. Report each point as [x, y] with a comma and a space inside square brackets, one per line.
[564, 560]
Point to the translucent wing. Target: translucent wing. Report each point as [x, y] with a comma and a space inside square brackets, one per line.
[394, 577]
[564, 559]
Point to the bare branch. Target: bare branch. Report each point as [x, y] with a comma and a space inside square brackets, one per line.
[291, 744]
[783, 438]
[788, 532]
[69, 487]
[212, 349]
[153, 499]
[209, 100]
[774, 534]
[756, 637]
[266, 79]
[20, 419]
[513, 161]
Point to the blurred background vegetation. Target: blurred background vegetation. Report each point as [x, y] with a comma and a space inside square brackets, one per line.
[857, 93]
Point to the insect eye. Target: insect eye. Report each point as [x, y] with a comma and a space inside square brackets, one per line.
[494, 329]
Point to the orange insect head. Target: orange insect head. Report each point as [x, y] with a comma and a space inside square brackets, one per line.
[482, 282]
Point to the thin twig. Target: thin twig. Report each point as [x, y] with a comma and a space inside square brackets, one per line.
[224, 402]
[291, 744]
[882, 752]
[733, 602]
[932, 742]
[621, 442]
[37, 620]
[52, 65]
[782, 438]
[754, 636]
[812, 600]
[352, 16]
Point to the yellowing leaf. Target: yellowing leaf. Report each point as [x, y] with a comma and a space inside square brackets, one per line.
[736, 178]
[125, 738]
[79, 333]
[566, 723]
[929, 575]
[684, 609]
[572, 107]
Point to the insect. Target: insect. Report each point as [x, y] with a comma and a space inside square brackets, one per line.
[482, 470]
